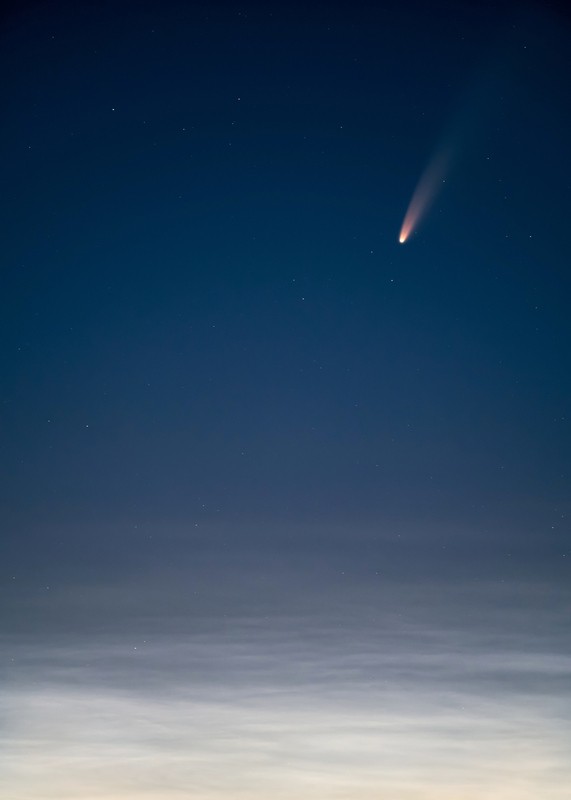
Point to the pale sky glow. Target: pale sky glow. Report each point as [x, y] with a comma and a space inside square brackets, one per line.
[110, 745]
[360, 710]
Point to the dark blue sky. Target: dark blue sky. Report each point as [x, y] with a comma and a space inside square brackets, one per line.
[223, 377]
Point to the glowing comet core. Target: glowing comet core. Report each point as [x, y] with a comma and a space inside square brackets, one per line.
[425, 193]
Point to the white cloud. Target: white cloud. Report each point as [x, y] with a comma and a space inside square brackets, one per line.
[284, 711]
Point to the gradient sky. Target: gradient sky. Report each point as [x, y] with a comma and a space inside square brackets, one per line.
[284, 503]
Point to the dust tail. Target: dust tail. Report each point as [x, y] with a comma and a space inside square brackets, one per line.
[425, 193]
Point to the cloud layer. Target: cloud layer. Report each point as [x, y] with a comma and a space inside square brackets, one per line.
[418, 702]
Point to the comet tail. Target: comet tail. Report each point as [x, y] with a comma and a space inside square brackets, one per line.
[424, 194]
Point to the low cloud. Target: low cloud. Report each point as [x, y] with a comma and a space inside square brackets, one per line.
[406, 704]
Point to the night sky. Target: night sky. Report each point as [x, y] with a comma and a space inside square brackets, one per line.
[285, 503]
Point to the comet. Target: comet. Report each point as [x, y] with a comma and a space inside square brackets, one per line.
[479, 103]
[426, 192]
